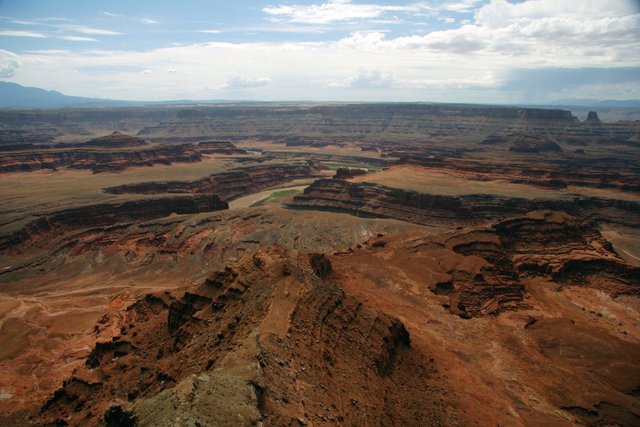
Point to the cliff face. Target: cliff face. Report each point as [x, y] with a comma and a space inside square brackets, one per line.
[46, 125]
[96, 161]
[340, 123]
[483, 271]
[616, 173]
[100, 215]
[518, 318]
[378, 201]
[219, 147]
[405, 329]
[267, 341]
[114, 140]
[228, 185]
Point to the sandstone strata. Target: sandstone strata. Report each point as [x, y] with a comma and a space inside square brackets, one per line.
[228, 185]
[437, 334]
[100, 215]
[94, 160]
[378, 201]
[267, 341]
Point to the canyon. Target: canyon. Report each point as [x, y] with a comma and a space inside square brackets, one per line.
[418, 264]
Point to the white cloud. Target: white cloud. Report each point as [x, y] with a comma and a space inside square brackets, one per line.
[210, 31]
[239, 82]
[78, 39]
[9, 62]
[367, 79]
[87, 30]
[474, 59]
[21, 22]
[147, 71]
[171, 70]
[113, 15]
[500, 13]
[142, 20]
[461, 6]
[336, 10]
[19, 33]
[55, 18]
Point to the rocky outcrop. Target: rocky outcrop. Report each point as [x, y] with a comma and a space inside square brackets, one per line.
[115, 140]
[523, 142]
[592, 117]
[483, 270]
[219, 147]
[270, 343]
[531, 143]
[401, 328]
[378, 201]
[337, 124]
[228, 185]
[94, 160]
[346, 173]
[101, 215]
[616, 173]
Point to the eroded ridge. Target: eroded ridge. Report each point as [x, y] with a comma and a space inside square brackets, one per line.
[265, 340]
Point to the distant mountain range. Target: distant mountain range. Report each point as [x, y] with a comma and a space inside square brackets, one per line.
[13, 95]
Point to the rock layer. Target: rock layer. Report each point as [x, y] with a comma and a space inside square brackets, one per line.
[449, 329]
[378, 201]
[228, 185]
[100, 215]
[267, 341]
[96, 161]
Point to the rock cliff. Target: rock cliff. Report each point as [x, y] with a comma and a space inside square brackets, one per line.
[100, 215]
[229, 185]
[615, 173]
[266, 341]
[410, 328]
[115, 140]
[219, 147]
[378, 201]
[96, 160]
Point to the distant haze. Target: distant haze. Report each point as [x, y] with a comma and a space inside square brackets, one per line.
[487, 51]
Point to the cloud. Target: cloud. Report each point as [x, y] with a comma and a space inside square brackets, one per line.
[142, 20]
[55, 18]
[238, 82]
[19, 33]
[463, 40]
[335, 10]
[369, 79]
[461, 6]
[563, 78]
[472, 62]
[572, 82]
[147, 71]
[171, 70]
[210, 31]
[113, 15]
[87, 30]
[9, 63]
[21, 22]
[500, 13]
[78, 39]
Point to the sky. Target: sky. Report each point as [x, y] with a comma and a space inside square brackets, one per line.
[471, 51]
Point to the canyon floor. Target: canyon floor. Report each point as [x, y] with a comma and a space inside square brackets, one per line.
[310, 264]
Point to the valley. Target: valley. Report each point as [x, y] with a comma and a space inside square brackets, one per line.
[319, 264]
